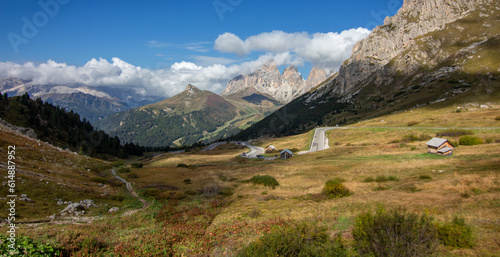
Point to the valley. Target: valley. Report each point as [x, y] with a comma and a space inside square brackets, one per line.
[216, 183]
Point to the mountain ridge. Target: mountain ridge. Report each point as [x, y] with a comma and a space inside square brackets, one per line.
[453, 57]
[284, 87]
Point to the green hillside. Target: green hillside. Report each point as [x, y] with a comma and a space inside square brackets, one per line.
[61, 128]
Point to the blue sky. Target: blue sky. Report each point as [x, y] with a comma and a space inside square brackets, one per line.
[192, 34]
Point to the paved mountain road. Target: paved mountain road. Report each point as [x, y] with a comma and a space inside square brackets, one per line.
[254, 150]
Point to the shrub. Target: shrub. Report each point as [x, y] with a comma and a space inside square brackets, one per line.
[296, 240]
[424, 177]
[454, 133]
[369, 179]
[123, 170]
[26, 246]
[137, 165]
[395, 233]
[413, 123]
[151, 192]
[489, 140]
[294, 150]
[335, 188]
[187, 181]
[383, 178]
[497, 118]
[117, 163]
[470, 140]
[182, 165]
[266, 180]
[456, 234]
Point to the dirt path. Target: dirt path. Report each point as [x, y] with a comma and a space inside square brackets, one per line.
[145, 204]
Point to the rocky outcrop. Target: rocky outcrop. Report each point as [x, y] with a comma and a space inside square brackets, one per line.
[398, 33]
[268, 80]
[29, 132]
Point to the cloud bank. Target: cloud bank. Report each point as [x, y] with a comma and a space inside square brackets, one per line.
[323, 50]
[120, 74]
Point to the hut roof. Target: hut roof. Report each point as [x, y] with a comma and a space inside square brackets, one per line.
[436, 142]
[445, 149]
[286, 151]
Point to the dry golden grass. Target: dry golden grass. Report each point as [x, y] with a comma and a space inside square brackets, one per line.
[466, 184]
[441, 115]
[45, 173]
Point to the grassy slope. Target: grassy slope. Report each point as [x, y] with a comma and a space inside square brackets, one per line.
[45, 173]
[466, 184]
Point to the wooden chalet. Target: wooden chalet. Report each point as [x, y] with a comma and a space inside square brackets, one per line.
[439, 146]
[286, 154]
[270, 148]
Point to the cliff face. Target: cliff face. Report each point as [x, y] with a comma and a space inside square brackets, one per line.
[414, 19]
[268, 80]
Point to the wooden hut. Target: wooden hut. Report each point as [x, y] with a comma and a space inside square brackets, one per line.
[439, 146]
[270, 148]
[286, 154]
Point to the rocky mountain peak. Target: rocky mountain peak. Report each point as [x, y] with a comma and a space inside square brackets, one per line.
[268, 80]
[414, 19]
[291, 72]
[316, 76]
[191, 88]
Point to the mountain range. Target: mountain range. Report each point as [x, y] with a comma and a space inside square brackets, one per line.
[430, 51]
[91, 103]
[268, 80]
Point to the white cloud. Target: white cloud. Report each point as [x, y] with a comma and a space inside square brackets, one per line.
[324, 50]
[120, 74]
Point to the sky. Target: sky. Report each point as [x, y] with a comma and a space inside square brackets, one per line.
[158, 47]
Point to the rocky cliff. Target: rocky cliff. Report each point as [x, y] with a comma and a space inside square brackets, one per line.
[397, 34]
[268, 80]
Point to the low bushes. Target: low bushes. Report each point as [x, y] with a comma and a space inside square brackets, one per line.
[470, 140]
[297, 240]
[26, 246]
[395, 233]
[425, 177]
[454, 133]
[335, 188]
[266, 180]
[456, 234]
[137, 165]
[383, 178]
